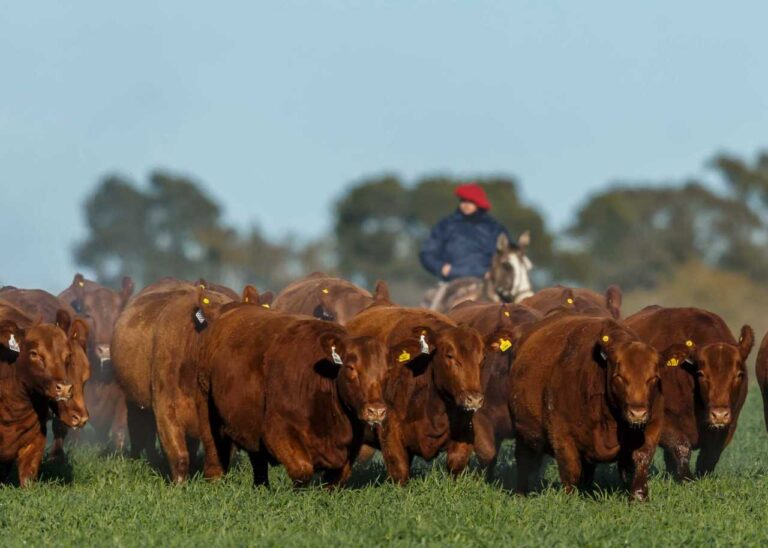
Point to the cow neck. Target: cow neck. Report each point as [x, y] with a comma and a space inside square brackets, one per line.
[16, 395]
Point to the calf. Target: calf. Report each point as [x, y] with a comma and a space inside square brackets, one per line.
[33, 375]
[101, 306]
[583, 301]
[432, 387]
[328, 298]
[500, 326]
[705, 384]
[154, 351]
[585, 390]
[289, 389]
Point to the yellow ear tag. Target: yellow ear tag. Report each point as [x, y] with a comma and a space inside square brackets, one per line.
[245, 300]
[569, 300]
[81, 283]
[606, 338]
[506, 313]
[504, 344]
[689, 344]
[404, 357]
[325, 291]
[265, 305]
[673, 362]
[202, 286]
[206, 300]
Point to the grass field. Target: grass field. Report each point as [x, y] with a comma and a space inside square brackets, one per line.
[115, 501]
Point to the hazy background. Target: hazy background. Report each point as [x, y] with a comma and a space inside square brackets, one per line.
[276, 110]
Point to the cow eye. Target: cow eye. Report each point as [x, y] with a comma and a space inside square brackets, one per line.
[449, 355]
[739, 375]
[654, 380]
[33, 354]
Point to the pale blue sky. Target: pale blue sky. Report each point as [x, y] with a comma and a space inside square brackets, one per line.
[278, 106]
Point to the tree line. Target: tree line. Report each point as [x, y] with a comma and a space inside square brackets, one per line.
[634, 233]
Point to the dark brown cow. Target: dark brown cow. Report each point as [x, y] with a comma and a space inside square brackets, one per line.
[154, 352]
[761, 372]
[432, 388]
[585, 390]
[101, 307]
[500, 326]
[705, 385]
[34, 368]
[583, 301]
[287, 388]
[328, 298]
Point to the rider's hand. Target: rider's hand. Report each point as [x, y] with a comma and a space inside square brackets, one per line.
[446, 270]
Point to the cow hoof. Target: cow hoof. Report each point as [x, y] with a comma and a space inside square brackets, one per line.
[640, 495]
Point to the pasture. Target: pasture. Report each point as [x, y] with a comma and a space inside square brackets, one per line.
[100, 500]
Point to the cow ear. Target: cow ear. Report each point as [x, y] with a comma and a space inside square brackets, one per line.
[613, 299]
[11, 339]
[250, 294]
[678, 355]
[78, 332]
[333, 350]
[382, 291]
[502, 242]
[502, 340]
[127, 291]
[63, 319]
[200, 314]
[746, 341]
[569, 299]
[201, 283]
[265, 299]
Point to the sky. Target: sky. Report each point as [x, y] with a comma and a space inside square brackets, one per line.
[278, 107]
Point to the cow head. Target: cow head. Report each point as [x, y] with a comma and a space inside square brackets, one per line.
[40, 353]
[455, 354]
[632, 372]
[100, 306]
[74, 412]
[721, 372]
[509, 269]
[210, 304]
[341, 304]
[362, 364]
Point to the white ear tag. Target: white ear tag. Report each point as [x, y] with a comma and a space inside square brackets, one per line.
[424, 345]
[199, 316]
[689, 361]
[604, 355]
[13, 344]
[336, 358]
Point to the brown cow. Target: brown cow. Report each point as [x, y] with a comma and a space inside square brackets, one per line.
[328, 298]
[154, 351]
[287, 388]
[585, 390]
[500, 326]
[705, 385]
[432, 388]
[35, 303]
[34, 367]
[101, 307]
[583, 301]
[761, 372]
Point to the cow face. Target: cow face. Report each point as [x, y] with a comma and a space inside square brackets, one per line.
[361, 375]
[458, 355]
[633, 375]
[100, 306]
[721, 374]
[74, 412]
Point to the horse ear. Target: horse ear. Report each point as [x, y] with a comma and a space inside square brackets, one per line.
[524, 240]
[502, 242]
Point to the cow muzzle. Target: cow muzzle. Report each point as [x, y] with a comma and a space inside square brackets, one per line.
[471, 401]
[374, 413]
[63, 391]
[637, 416]
[78, 420]
[719, 417]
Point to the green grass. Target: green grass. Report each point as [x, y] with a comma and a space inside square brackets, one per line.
[116, 501]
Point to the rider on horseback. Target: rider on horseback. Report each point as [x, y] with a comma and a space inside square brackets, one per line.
[463, 243]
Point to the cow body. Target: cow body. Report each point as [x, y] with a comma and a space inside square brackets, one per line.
[154, 352]
[582, 301]
[271, 385]
[585, 390]
[432, 387]
[500, 326]
[704, 387]
[761, 372]
[327, 298]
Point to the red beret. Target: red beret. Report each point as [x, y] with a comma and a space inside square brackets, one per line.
[472, 192]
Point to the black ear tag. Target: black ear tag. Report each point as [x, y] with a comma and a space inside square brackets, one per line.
[200, 321]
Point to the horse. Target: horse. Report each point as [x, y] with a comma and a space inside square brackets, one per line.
[507, 280]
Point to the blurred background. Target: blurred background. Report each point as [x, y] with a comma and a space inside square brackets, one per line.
[256, 142]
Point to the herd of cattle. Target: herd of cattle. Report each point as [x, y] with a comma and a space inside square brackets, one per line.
[327, 373]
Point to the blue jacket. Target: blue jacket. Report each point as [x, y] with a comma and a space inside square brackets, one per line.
[467, 243]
